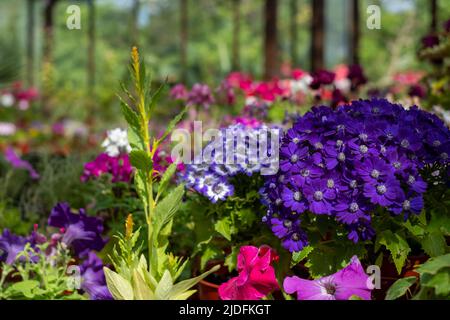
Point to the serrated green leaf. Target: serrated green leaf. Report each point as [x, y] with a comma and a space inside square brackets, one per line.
[130, 115]
[300, 255]
[155, 97]
[434, 244]
[223, 226]
[165, 179]
[433, 265]
[118, 286]
[167, 207]
[399, 288]
[140, 160]
[397, 246]
[209, 253]
[172, 124]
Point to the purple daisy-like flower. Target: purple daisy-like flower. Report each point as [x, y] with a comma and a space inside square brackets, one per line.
[319, 197]
[351, 280]
[384, 193]
[352, 210]
[291, 155]
[80, 232]
[294, 200]
[413, 204]
[372, 170]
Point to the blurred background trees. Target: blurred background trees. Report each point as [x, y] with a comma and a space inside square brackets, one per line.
[203, 40]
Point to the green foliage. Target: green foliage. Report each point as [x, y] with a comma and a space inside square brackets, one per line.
[400, 287]
[154, 277]
[434, 281]
[41, 276]
[397, 246]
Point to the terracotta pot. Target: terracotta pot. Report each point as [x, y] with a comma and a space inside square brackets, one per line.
[208, 290]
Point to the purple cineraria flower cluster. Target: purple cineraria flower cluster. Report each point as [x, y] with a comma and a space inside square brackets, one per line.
[211, 176]
[344, 162]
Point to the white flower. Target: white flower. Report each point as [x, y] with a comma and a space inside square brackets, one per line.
[7, 129]
[343, 84]
[116, 142]
[7, 100]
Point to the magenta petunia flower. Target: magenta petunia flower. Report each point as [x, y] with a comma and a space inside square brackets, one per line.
[119, 167]
[256, 277]
[352, 280]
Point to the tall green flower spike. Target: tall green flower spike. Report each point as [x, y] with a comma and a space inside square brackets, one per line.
[154, 277]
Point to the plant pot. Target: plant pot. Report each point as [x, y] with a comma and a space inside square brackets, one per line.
[208, 289]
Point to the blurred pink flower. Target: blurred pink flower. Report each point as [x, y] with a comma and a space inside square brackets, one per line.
[179, 92]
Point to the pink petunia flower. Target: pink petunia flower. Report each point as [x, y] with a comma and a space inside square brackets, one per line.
[256, 277]
[352, 280]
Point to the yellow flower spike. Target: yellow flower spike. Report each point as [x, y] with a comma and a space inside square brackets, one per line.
[135, 55]
[129, 226]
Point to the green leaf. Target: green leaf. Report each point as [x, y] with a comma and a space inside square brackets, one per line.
[440, 221]
[397, 246]
[172, 124]
[246, 216]
[209, 253]
[140, 182]
[300, 255]
[434, 244]
[231, 259]
[223, 226]
[156, 96]
[119, 287]
[140, 288]
[165, 179]
[355, 297]
[140, 160]
[26, 288]
[130, 115]
[164, 286]
[399, 288]
[135, 139]
[433, 265]
[440, 282]
[178, 291]
[166, 208]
